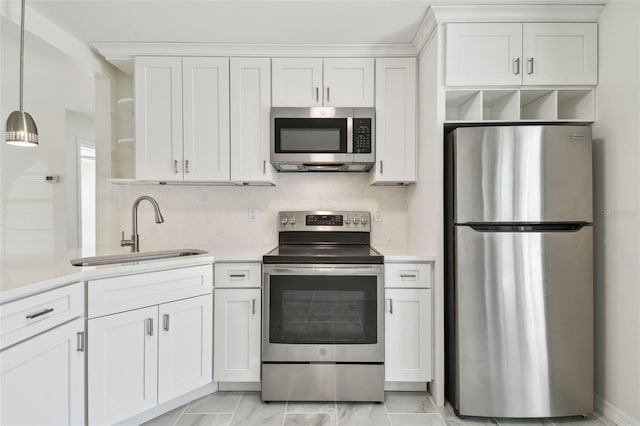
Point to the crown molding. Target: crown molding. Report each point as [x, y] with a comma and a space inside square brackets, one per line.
[121, 54]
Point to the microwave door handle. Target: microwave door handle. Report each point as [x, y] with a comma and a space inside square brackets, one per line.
[349, 135]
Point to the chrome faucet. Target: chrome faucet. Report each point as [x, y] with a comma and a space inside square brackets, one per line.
[134, 242]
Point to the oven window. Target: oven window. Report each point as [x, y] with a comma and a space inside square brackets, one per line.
[309, 135]
[306, 309]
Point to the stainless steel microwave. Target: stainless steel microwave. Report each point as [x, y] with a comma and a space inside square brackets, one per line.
[323, 139]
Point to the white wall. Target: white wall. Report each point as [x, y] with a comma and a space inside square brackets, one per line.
[617, 212]
[215, 217]
[34, 211]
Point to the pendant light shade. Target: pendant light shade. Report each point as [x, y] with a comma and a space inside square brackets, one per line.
[21, 130]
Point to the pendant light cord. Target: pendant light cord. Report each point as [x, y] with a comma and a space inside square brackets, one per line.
[21, 52]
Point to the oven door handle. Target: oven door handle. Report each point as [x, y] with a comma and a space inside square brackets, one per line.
[325, 270]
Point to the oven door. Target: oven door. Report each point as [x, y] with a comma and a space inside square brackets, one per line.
[323, 313]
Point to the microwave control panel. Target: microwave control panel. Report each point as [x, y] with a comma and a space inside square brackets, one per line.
[361, 135]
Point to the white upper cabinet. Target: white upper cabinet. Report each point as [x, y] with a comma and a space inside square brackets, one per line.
[395, 121]
[311, 82]
[205, 95]
[560, 53]
[182, 119]
[158, 106]
[485, 54]
[250, 114]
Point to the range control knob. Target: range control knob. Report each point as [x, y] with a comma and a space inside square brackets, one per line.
[364, 221]
[284, 220]
[356, 221]
[347, 220]
[292, 220]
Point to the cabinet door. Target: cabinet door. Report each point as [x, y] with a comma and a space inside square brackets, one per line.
[407, 335]
[42, 379]
[250, 114]
[483, 54]
[158, 106]
[122, 365]
[348, 82]
[296, 82]
[395, 121]
[560, 53]
[185, 353]
[237, 335]
[206, 119]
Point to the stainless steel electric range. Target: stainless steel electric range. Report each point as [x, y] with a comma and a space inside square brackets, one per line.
[322, 331]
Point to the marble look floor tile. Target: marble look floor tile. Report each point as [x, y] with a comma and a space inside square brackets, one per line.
[167, 419]
[310, 419]
[589, 420]
[522, 422]
[416, 419]
[408, 402]
[361, 414]
[450, 418]
[218, 402]
[311, 407]
[204, 419]
[253, 412]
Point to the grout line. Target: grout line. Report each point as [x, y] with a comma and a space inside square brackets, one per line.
[235, 409]
[386, 410]
[180, 416]
[284, 415]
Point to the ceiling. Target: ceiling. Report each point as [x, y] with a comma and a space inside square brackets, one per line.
[240, 21]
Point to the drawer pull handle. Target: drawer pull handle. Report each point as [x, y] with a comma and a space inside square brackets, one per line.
[39, 314]
[150, 326]
[391, 306]
[165, 322]
[80, 337]
[414, 276]
[238, 275]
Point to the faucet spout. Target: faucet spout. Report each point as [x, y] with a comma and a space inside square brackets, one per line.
[134, 242]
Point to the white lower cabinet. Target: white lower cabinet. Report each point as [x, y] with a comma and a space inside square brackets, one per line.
[145, 357]
[184, 348]
[42, 379]
[408, 335]
[122, 365]
[237, 335]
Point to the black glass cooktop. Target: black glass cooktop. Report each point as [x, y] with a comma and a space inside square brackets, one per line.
[312, 253]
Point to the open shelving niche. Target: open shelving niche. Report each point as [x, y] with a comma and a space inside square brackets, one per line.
[513, 105]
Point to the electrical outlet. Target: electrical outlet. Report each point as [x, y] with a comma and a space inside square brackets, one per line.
[377, 215]
[252, 215]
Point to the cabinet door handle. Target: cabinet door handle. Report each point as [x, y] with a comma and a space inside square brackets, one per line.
[175, 166]
[150, 326]
[391, 306]
[327, 94]
[186, 166]
[253, 306]
[39, 314]
[516, 66]
[530, 66]
[165, 322]
[80, 341]
[264, 166]
[381, 167]
[317, 94]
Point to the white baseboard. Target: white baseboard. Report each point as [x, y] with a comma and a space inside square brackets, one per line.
[613, 413]
[239, 386]
[405, 386]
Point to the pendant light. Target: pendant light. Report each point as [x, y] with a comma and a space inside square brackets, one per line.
[21, 130]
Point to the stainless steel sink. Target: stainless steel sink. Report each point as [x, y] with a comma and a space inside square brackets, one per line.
[134, 257]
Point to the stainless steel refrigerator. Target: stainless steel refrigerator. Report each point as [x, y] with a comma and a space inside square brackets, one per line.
[519, 271]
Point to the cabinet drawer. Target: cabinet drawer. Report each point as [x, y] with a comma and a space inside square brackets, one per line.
[408, 275]
[27, 317]
[238, 274]
[112, 295]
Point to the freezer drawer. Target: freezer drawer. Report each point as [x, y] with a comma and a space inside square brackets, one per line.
[522, 174]
[524, 323]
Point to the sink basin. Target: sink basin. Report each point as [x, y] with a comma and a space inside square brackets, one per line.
[134, 257]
